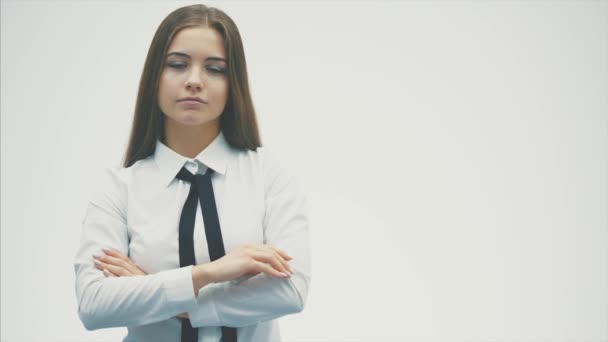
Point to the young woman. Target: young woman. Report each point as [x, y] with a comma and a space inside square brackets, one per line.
[200, 235]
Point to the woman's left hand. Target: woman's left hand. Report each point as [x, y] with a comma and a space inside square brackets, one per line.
[115, 264]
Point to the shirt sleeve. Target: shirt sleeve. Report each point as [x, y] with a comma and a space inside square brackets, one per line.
[105, 302]
[260, 298]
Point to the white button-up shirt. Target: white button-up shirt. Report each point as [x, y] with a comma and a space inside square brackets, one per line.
[136, 211]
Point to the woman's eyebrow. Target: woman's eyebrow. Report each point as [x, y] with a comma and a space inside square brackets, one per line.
[181, 54]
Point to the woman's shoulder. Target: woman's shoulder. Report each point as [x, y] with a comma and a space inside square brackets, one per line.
[109, 189]
[120, 175]
[263, 159]
[114, 179]
[274, 167]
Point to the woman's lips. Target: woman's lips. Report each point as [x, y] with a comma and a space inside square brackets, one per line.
[192, 98]
[192, 102]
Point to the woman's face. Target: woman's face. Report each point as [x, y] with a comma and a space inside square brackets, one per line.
[195, 67]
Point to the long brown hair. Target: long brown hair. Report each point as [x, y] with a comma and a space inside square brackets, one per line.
[238, 121]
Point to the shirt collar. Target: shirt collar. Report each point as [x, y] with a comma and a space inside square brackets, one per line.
[169, 162]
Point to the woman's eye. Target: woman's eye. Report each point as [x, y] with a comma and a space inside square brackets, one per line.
[216, 70]
[177, 65]
[210, 69]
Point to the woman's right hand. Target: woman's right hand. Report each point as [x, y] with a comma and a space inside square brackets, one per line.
[248, 260]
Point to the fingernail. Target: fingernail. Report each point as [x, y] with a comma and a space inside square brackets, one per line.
[107, 273]
[97, 262]
[284, 275]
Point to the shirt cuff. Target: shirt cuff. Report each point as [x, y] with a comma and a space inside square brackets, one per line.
[179, 289]
[205, 313]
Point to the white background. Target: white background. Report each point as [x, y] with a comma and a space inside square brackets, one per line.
[455, 155]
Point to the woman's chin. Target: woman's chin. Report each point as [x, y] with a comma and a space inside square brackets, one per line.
[191, 119]
[194, 120]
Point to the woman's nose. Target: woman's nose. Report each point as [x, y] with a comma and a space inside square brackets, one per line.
[190, 85]
[195, 81]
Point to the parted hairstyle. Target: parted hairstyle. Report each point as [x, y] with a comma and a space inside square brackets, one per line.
[238, 120]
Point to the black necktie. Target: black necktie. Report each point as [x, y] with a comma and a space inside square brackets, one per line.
[202, 189]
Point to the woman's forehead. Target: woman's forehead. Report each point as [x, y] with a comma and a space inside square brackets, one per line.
[198, 42]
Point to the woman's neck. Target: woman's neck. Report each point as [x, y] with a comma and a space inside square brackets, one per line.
[189, 141]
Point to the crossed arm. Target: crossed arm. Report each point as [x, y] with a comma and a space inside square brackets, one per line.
[250, 284]
[246, 260]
